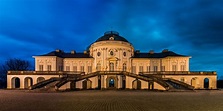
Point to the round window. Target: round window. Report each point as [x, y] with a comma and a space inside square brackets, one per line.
[98, 53]
[124, 53]
[111, 53]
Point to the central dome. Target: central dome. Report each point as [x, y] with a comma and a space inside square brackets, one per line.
[111, 35]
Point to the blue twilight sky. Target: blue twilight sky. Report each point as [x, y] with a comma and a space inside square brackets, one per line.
[189, 27]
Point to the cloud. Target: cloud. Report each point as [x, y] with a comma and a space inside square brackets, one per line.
[187, 27]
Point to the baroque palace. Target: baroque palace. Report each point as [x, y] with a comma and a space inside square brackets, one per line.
[111, 62]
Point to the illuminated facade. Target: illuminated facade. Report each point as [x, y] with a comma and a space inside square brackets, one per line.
[112, 62]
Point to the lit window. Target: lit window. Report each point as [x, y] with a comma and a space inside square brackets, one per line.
[174, 67]
[124, 67]
[75, 68]
[148, 68]
[155, 68]
[82, 68]
[40, 67]
[67, 68]
[89, 69]
[60, 68]
[111, 67]
[48, 67]
[140, 68]
[133, 69]
[163, 68]
[182, 68]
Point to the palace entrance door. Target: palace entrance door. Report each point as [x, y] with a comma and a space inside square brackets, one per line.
[111, 83]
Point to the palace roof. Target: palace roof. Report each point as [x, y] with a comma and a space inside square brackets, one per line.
[163, 54]
[111, 35]
[62, 54]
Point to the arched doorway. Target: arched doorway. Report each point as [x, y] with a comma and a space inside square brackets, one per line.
[206, 83]
[112, 82]
[15, 82]
[86, 84]
[136, 84]
[40, 79]
[194, 82]
[28, 82]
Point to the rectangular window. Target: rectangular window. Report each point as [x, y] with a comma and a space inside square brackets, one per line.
[140, 68]
[174, 67]
[48, 67]
[82, 68]
[60, 68]
[75, 68]
[89, 69]
[67, 68]
[40, 67]
[148, 68]
[134, 69]
[182, 68]
[155, 68]
[163, 68]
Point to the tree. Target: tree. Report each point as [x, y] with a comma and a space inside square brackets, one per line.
[12, 65]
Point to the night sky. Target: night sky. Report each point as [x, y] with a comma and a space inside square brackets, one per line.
[188, 27]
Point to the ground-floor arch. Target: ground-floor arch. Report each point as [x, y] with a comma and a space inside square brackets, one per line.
[28, 81]
[136, 84]
[111, 82]
[86, 84]
[40, 79]
[15, 82]
[206, 83]
[194, 82]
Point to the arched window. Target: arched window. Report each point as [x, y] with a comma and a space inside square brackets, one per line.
[124, 67]
[98, 67]
[111, 66]
[40, 79]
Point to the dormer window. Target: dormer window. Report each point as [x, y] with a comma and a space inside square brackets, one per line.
[111, 38]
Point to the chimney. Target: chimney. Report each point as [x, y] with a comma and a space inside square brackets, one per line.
[151, 52]
[58, 50]
[165, 50]
[73, 52]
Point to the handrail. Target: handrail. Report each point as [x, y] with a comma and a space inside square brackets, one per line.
[43, 83]
[180, 83]
[180, 72]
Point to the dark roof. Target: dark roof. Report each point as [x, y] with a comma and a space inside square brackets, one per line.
[109, 34]
[67, 55]
[157, 55]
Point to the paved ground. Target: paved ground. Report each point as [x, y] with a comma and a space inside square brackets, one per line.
[111, 100]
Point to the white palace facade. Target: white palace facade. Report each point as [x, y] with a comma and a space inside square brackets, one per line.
[111, 62]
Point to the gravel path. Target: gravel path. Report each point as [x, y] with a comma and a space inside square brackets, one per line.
[111, 100]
